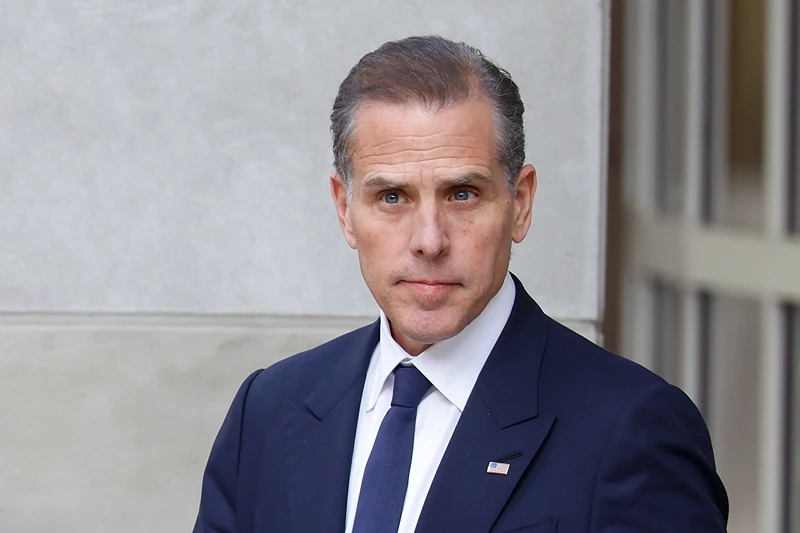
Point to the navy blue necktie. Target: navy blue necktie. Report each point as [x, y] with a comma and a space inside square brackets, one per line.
[383, 488]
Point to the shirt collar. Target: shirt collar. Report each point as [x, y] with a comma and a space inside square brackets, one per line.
[452, 365]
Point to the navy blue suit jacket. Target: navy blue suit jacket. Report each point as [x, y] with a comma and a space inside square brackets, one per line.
[595, 443]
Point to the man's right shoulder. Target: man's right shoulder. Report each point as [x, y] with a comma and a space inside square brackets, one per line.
[295, 377]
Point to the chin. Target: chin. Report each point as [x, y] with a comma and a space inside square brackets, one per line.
[429, 330]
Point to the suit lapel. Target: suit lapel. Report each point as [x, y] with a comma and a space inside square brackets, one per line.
[319, 438]
[501, 422]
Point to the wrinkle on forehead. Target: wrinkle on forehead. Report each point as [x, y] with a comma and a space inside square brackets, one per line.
[439, 153]
[390, 140]
[400, 135]
[433, 137]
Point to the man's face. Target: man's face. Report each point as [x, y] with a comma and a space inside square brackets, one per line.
[431, 215]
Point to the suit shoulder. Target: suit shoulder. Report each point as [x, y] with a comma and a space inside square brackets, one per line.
[596, 392]
[590, 373]
[295, 373]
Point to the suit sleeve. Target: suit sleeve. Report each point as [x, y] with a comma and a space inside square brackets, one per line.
[658, 473]
[217, 512]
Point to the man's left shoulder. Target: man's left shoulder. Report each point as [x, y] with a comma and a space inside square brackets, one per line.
[578, 375]
[570, 352]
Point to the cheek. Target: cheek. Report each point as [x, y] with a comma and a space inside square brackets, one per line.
[480, 237]
[378, 248]
[467, 231]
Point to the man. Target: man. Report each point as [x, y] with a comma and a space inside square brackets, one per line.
[464, 408]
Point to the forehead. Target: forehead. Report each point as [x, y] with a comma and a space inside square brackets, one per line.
[388, 133]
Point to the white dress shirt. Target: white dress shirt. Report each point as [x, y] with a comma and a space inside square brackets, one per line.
[452, 366]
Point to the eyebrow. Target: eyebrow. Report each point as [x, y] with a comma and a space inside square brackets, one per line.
[382, 183]
[470, 178]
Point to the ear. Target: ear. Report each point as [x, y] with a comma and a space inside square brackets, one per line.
[523, 203]
[339, 195]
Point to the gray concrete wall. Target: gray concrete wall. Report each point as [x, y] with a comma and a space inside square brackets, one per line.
[165, 226]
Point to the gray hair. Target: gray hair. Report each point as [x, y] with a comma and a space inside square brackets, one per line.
[433, 72]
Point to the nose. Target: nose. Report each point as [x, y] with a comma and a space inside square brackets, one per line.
[429, 234]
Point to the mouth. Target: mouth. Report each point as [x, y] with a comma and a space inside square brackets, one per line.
[430, 286]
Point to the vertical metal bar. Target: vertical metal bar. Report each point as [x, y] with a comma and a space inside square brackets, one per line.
[717, 98]
[791, 487]
[704, 302]
[631, 88]
[794, 125]
[696, 144]
[641, 134]
[661, 95]
[695, 164]
[773, 459]
[639, 168]
[672, 102]
[660, 339]
[776, 148]
[792, 384]
[792, 482]
[777, 127]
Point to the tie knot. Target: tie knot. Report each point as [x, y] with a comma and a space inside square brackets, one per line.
[409, 386]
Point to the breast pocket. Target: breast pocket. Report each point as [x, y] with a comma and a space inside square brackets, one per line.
[548, 526]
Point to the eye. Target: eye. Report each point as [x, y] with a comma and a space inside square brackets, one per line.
[391, 197]
[463, 195]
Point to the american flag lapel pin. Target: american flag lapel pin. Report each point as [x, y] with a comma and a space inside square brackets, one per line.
[498, 468]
